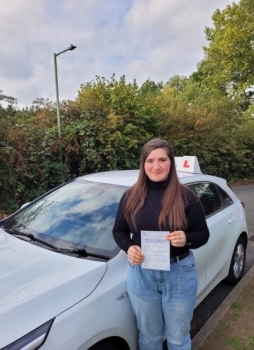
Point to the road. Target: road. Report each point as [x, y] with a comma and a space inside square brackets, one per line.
[246, 194]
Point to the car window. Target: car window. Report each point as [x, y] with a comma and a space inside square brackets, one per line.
[227, 200]
[209, 196]
[80, 213]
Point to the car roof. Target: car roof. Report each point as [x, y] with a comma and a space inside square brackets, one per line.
[188, 170]
[129, 177]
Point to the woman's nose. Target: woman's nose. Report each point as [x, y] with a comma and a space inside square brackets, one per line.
[156, 165]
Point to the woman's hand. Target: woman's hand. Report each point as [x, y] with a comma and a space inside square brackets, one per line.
[177, 238]
[135, 255]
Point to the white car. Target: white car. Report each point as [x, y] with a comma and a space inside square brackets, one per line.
[63, 278]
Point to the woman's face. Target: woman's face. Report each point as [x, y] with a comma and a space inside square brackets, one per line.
[157, 165]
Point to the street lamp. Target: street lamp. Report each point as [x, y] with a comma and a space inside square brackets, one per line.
[70, 48]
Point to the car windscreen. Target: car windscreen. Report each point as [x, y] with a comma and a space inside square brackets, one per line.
[78, 214]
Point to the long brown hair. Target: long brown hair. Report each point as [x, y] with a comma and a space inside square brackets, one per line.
[172, 203]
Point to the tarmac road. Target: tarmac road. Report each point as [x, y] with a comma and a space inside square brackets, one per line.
[202, 313]
[246, 194]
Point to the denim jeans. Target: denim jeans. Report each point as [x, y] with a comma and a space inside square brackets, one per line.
[163, 302]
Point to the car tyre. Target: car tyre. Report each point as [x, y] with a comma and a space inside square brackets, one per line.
[104, 345]
[237, 262]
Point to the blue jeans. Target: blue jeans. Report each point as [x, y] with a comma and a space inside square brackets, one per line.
[163, 302]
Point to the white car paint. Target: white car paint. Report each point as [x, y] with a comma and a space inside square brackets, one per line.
[31, 276]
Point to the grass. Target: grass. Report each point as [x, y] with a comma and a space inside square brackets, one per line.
[235, 331]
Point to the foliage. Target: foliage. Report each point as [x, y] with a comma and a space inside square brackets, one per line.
[115, 119]
[210, 128]
[29, 159]
[9, 99]
[228, 65]
[103, 129]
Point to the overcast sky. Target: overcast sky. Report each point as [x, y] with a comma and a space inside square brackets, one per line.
[142, 39]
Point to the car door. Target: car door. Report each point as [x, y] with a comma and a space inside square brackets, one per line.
[201, 257]
[220, 220]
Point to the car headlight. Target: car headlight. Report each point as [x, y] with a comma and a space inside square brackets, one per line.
[33, 340]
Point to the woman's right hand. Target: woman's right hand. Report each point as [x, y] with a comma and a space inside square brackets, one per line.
[135, 255]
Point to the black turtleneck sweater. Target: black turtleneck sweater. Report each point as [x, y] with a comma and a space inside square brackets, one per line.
[197, 233]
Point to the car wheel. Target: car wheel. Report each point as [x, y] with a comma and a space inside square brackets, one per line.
[237, 262]
[104, 345]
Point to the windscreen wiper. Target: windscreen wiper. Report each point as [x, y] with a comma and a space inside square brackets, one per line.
[29, 235]
[81, 252]
[76, 251]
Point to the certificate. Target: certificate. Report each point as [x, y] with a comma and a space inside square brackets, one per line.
[156, 250]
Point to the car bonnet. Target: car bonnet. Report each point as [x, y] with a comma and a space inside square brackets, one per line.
[37, 284]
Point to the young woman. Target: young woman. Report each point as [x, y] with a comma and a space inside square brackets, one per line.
[163, 301]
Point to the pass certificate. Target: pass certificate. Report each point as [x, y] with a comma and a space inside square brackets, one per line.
[156, 250]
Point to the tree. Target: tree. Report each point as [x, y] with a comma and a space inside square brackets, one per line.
[8, 99]
[228, 65]
[116, 119]
[208, 126]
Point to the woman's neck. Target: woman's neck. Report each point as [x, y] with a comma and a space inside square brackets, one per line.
[158, 184]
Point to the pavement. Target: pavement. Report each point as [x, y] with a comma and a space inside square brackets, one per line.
[204, 332]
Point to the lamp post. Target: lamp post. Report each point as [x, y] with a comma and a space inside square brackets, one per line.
[70, 48]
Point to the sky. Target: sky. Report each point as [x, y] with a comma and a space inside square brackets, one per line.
[140, 39]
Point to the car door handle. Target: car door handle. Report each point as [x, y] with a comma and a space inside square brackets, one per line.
[231, 220]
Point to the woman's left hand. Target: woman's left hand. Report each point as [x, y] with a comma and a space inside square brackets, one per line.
[177, 238]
